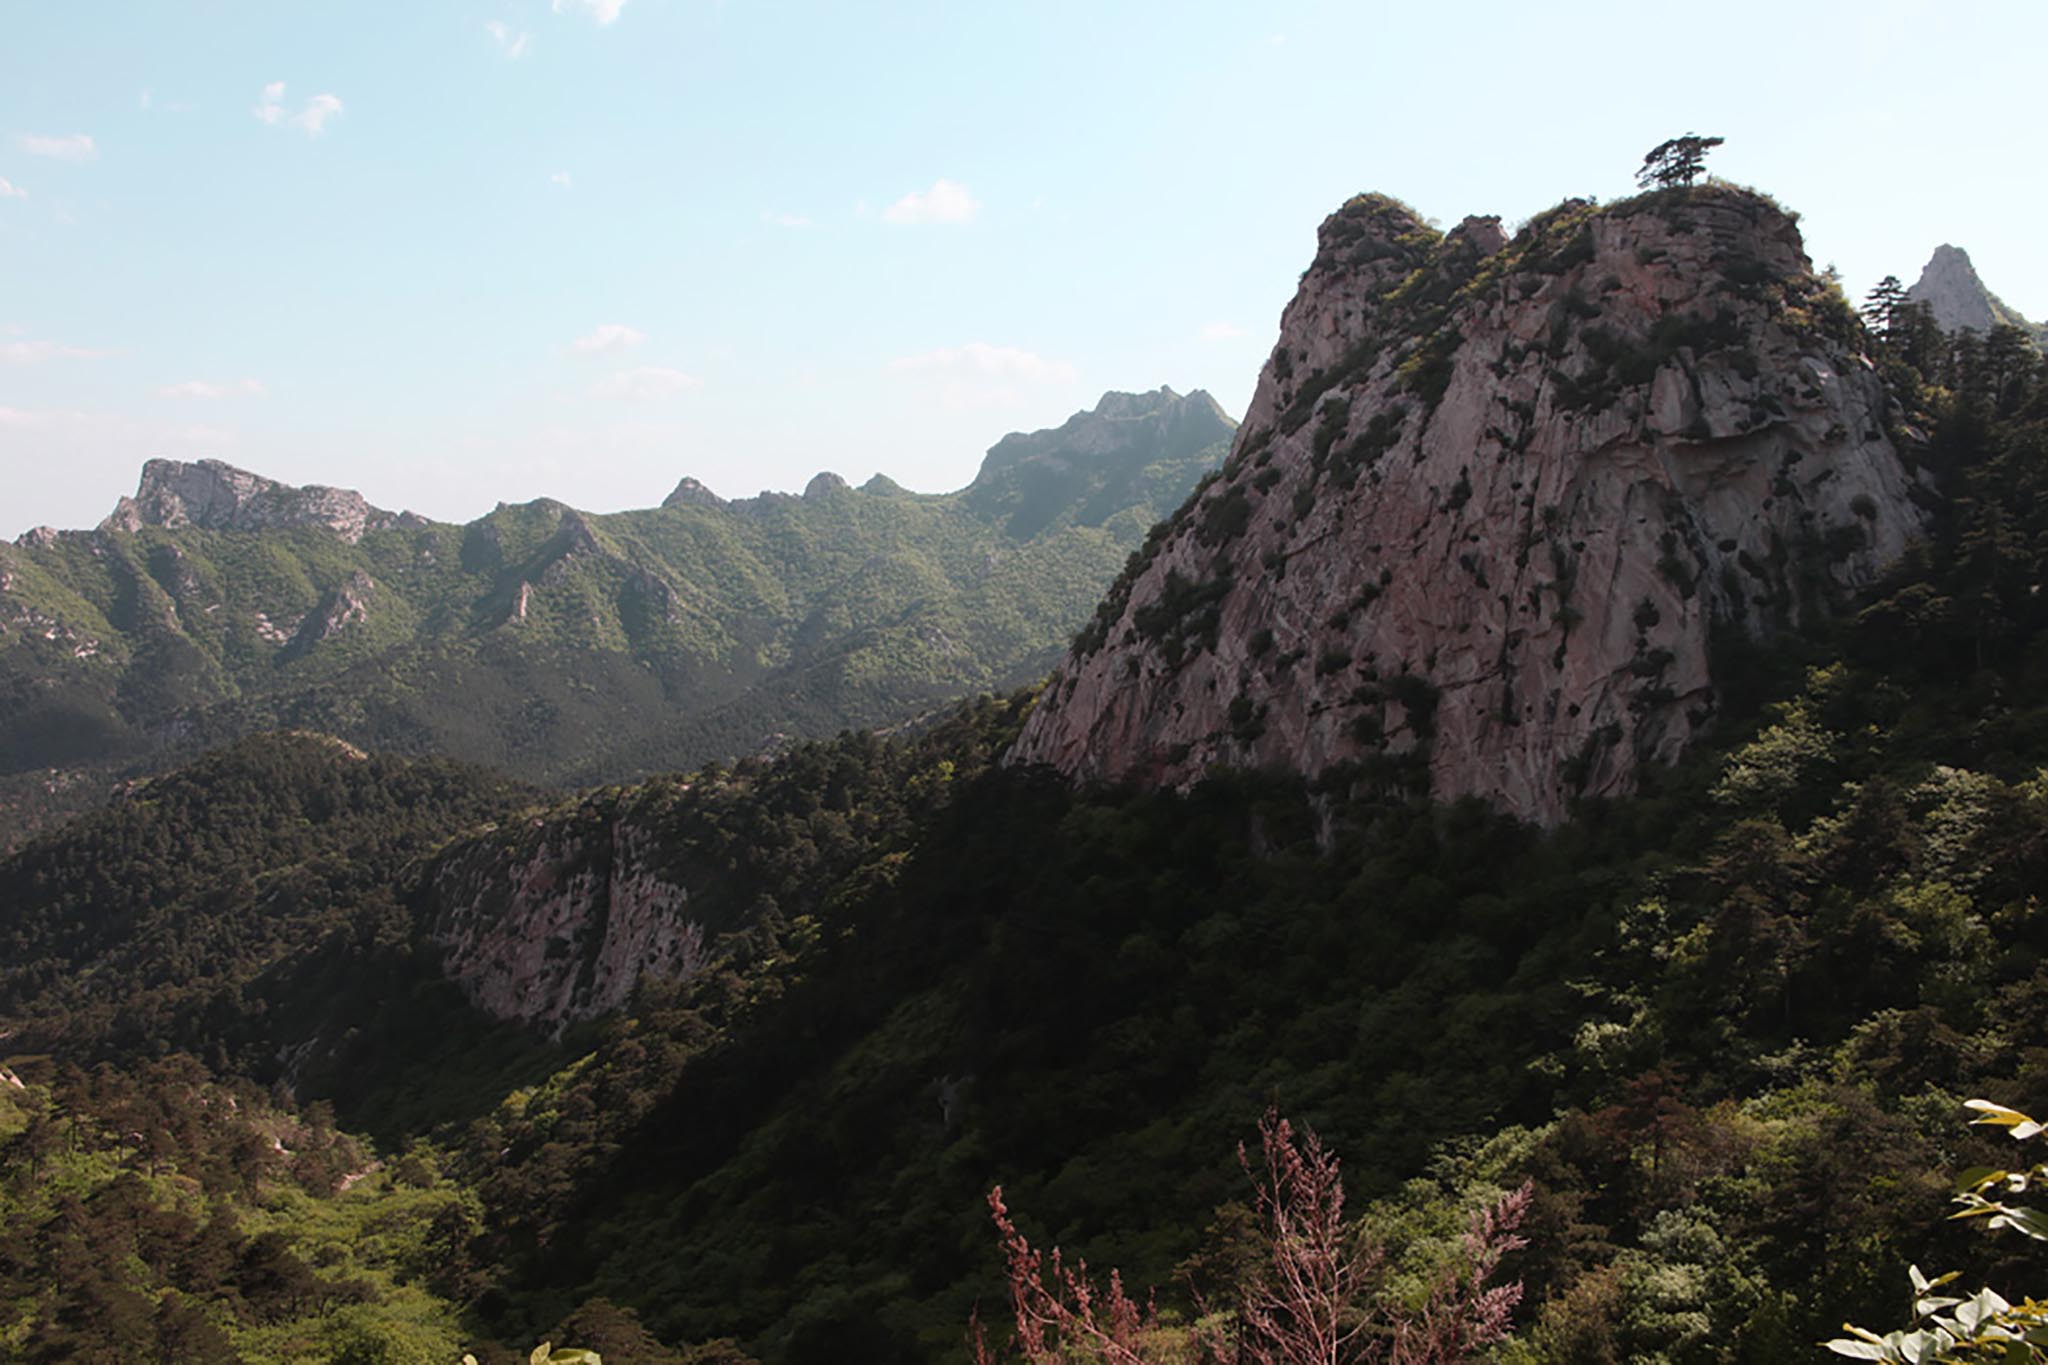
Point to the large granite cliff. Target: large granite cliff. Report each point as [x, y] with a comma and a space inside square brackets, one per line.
[214, 496]
[1490, 503]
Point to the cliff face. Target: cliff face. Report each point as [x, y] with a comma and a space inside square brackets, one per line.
[218, 497]
[1488, 504]
[562, 927]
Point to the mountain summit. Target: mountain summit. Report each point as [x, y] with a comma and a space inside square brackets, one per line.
[1096, 461]
[1489, 504]
[1950, 285]
[214, 496]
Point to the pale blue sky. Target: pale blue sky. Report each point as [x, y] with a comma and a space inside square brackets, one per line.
[476, 250]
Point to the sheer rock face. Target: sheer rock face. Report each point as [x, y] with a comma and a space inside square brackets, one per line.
[563, 929]
[1487, 505]
[219, 497]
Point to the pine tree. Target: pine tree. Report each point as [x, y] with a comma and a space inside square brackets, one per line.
[1882, 308]
[1676, 161]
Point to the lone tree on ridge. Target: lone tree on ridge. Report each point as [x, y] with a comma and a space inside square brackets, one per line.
[1677, 161]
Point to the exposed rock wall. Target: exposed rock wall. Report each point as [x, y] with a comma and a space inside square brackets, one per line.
[563, 929]
[218, 497]
[1489, 503]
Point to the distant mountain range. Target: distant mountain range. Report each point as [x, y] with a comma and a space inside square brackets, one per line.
[559, 645]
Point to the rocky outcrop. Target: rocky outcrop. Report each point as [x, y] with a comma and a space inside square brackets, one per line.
[1950, 287]
[218, 497]
[1489, 504]
[346, 606]
[561, 930]
[691, 493]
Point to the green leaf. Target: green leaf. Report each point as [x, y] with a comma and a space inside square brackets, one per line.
[1977, 1177]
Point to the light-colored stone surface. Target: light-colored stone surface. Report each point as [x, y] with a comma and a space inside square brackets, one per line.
[219, 497]
[1548, 570]
[563, 931]
[1950, 286]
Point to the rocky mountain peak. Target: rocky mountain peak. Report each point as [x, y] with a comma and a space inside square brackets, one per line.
[1488, 504]
[1949, 284]
[1095, 458]
[214, 496]
[824, 483]
[1119, 425]
[691, 493]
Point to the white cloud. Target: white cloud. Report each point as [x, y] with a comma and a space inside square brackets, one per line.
[10, 190]
[204, 389]
[513, 45]
[786, 220]
[1220, 331]
[604, 11]
[31, 352]
[313, 116]
[560, 179]
[71, 147]
[980, 375]
[947, 201]
[145, 100]
[270, 109]
[648, 384]
[612, 336]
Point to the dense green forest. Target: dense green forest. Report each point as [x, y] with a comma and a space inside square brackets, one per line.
[1723, 1028]
[574, 648]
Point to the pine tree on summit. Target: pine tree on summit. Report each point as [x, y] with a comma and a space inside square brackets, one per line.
[1676, 161]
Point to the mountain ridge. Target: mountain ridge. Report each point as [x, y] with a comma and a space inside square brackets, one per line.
[557, 644]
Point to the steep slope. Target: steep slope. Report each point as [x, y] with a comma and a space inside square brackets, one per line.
[561, 645]
[1949, 284]
[1491, 504]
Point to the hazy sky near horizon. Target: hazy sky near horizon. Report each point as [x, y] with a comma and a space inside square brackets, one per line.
[452, 252]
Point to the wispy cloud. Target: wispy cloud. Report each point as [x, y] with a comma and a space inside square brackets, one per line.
[647, 384]
[604, 11]
[34, 352]
[70, 147]
[786, 220]
[560, 180]
[513, 45]
[947, 201]
[980, 375]
[612, 336]
[10, 190]
[207, 390]
[1220, 331]
[313, 116]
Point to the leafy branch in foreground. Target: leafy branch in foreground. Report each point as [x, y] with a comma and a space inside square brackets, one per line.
[1319, 1298]
[1984, 1327]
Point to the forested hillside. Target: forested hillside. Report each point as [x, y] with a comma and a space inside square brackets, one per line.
[561, 646]
[1722, 1027]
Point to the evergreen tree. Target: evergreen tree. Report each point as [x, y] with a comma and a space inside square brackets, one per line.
[1676, 161]
[1882, 308]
